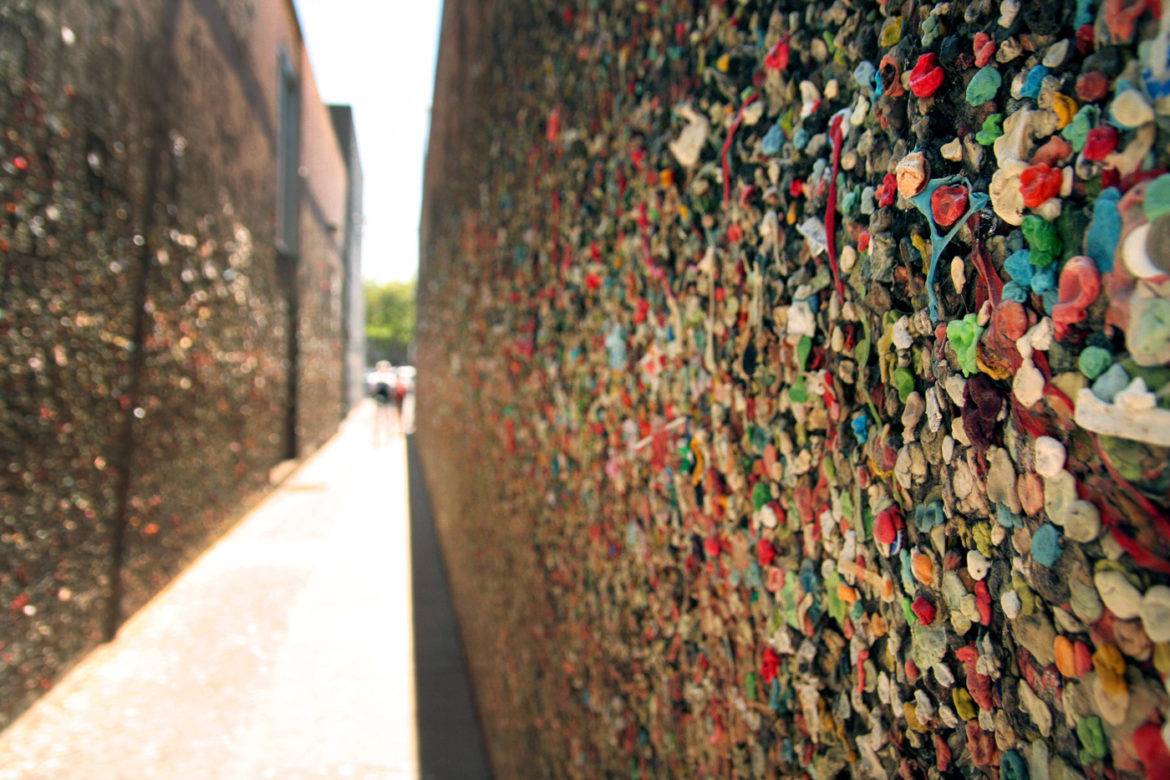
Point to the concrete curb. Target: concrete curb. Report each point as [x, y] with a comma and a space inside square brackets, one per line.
[450, 738]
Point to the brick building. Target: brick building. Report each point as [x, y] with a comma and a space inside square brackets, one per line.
[173, 258]
[353, 313]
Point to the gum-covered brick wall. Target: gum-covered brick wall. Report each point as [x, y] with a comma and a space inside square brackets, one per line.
[795, 384]
[143, 317]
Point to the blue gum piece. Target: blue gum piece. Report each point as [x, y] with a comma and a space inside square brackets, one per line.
[939, 241]
[1033, 81]
[1104, 231]
[772, 140]
[1019, 267]
[1084, 13]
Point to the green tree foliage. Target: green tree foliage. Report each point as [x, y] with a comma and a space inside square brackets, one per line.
[390, 313]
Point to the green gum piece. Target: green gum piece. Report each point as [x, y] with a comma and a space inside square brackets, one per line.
[1012, 766]
[761, 495]
[798, 392]
[803, 350]
[1092, 738]
[1093, 361]
[903, 383]
[992, 129]
[828, 38]
[891, 32]
[787, 123]
[983, 86]
[981, 533]
[964, 704]
[861, 351]
[1043, 240]
[964, 337]
[1157, 201]
[1077, 131]
[834, 605]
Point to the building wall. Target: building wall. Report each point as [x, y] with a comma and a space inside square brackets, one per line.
[323, 223]
[143, 310]
[709, 512]
[353, 299]
[69, 270]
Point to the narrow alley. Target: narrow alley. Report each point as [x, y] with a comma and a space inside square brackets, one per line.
[280, 653]
[792, 380]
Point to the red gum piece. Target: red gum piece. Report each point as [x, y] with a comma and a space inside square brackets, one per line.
[1084, 38]
[1038, 183]
[727, 147]
[831, 208]
[924, 610]
[948, 204]
[983, 602]
[987, 274]
[1121, 17]
[926, 76]
[942, 753]
[769, 665]
[979, 686]
[1080, 284]
[887, 191]
[887, 524]
[1055, 150]
[777, 58]
[1092, 86]
[1152, 752]
[1082, 658]
[1100, 143]
[983, 48]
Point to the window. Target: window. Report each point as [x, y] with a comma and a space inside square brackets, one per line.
[288, 157]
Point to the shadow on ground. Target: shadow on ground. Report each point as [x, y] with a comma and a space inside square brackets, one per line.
[450, 743]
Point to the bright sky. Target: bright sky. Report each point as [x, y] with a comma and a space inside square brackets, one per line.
[379, 57]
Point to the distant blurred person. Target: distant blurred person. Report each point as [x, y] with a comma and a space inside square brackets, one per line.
[385, 382]
[400, 400]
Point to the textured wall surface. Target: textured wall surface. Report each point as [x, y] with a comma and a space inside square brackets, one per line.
[143, 321]
[794, 386]
[71, 202]
[353, 308]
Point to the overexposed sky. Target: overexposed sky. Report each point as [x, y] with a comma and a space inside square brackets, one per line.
[379, 57]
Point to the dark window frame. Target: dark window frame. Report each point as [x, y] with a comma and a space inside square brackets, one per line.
[288, 162]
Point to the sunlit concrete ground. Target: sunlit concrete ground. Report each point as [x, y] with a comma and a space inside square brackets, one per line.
[285, 651]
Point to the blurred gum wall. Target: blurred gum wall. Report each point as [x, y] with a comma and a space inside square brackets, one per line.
[145, 314]
[794, 384]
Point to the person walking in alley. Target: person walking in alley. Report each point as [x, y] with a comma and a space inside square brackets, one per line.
[400, 400]
[385, 383]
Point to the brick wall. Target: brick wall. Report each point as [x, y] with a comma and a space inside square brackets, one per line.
[143, 316]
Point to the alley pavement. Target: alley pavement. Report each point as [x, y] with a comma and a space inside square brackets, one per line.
[285, 651]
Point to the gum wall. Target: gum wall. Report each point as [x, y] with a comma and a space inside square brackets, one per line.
[795, 384]
[144, 313]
